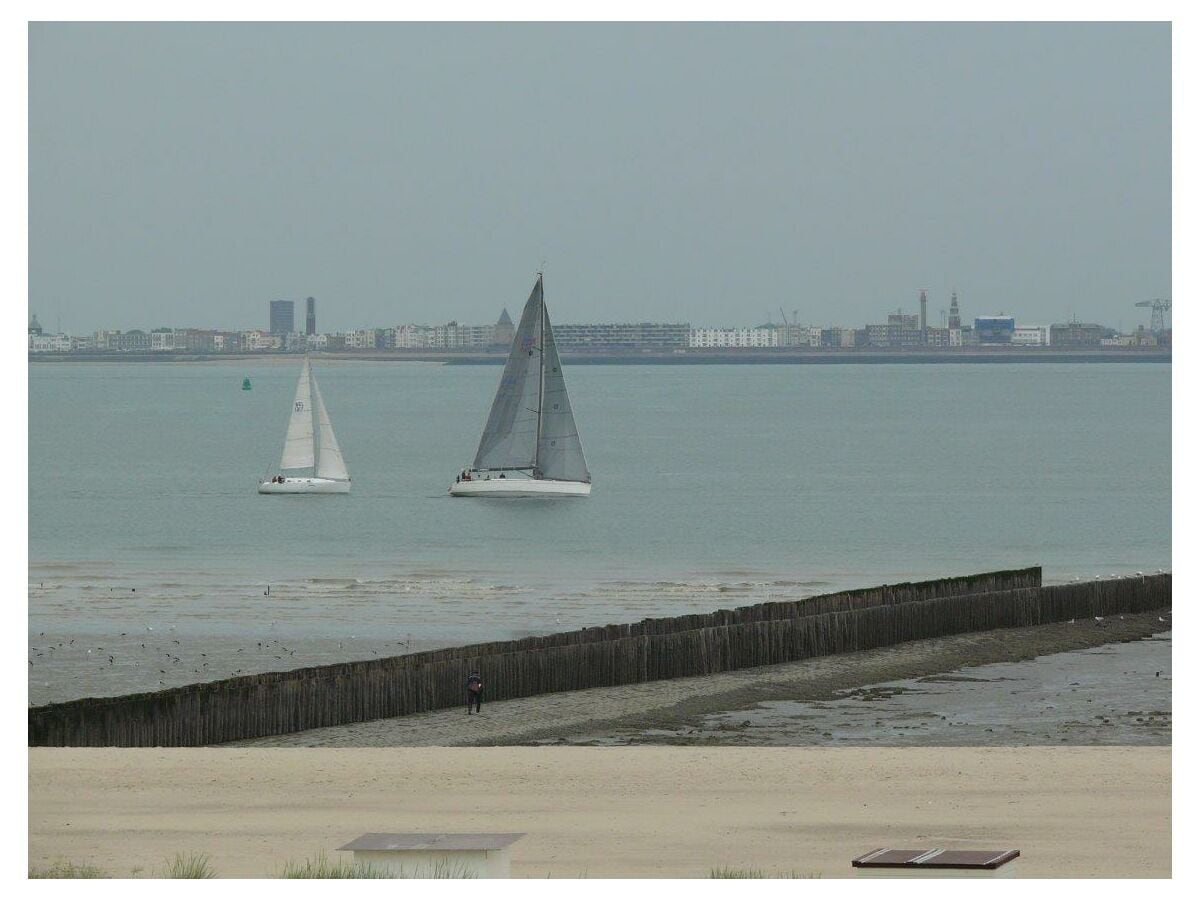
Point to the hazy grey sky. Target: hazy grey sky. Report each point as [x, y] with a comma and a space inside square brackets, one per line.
[187, 174]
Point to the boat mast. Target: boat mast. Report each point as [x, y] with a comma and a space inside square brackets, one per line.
[541, 373]
[312, 411]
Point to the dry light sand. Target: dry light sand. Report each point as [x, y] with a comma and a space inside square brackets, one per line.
[628, 811]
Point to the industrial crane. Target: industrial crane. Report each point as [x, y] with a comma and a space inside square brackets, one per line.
[1159, 310]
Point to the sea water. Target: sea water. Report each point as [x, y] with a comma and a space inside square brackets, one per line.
[714, 486]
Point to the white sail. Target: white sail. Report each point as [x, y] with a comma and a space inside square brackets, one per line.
[329, 455]
[298, 447]
[559, 450]
[509, 439]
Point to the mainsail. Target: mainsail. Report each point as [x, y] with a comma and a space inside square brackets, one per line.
[329, 455]
[509, 439]
[531, 425]
[298, 447]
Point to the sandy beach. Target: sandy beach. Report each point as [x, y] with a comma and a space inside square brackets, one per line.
[608, 812]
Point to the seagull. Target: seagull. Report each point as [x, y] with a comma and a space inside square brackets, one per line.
[1071, 622]
[1161, 619]
[1099, 618]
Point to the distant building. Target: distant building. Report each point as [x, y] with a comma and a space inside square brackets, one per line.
[310, 317]
[260, 340]
[955, 320]
[34, 326]
[504, 331]
[1031, 336]
[994, 329]
[162, 340]
[363, 339]
[49, 343]
[283, 317]
[937, 337]
[135, 341]
[623, 336]
[733, 337]
[1078, 334]
[900, 331]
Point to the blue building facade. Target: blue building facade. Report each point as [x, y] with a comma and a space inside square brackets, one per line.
[995, 329]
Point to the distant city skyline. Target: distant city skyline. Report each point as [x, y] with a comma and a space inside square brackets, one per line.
[187, 174]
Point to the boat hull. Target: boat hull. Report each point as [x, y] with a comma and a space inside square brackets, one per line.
[519, 487]
[304, 486]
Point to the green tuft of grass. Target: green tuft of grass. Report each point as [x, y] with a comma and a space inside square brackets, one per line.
[730, 872]
[65, 869]
[323, 867]
[193, 865]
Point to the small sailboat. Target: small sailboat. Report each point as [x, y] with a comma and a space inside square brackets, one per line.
[530, 446]
[309, 447]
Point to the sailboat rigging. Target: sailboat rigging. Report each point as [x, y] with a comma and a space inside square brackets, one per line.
[530, 445]
[309, 446]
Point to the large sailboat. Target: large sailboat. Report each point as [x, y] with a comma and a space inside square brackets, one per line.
[309, 448]
[530, 446]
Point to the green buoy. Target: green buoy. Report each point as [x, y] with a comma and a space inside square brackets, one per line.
[246, 384]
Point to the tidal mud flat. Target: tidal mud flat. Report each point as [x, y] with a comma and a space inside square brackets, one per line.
[1113, 695]
[712, 710]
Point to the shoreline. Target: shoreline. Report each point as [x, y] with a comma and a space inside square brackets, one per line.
[780, 356]
[673, 704]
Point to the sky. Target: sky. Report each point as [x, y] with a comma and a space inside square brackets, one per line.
[186, 174]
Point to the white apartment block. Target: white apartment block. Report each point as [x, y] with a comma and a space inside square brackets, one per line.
[412, 337]
[736, 337]
[49, 343]
[362, 339]
[450, 336]
[162, 341]
[261, 340]
[1031, 336]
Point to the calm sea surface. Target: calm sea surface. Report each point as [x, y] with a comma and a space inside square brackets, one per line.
[715, 486]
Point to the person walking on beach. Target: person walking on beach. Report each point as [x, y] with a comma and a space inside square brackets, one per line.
[474, 692]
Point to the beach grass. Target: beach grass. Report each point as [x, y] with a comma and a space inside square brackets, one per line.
[65, 869]
[731, 872]
[321, 866]
[192, 865]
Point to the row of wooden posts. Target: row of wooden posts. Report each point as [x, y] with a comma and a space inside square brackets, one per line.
[281, 702]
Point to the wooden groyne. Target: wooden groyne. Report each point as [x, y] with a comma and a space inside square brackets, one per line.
[282, 702]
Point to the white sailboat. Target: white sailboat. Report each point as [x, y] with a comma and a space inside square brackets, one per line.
[530, 446]
[309, 447]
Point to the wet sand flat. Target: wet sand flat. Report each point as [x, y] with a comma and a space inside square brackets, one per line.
[629, 811]
[1117, 694]
[670, 711]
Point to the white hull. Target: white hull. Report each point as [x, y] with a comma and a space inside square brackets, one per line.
[519, 487]
[304, 486]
